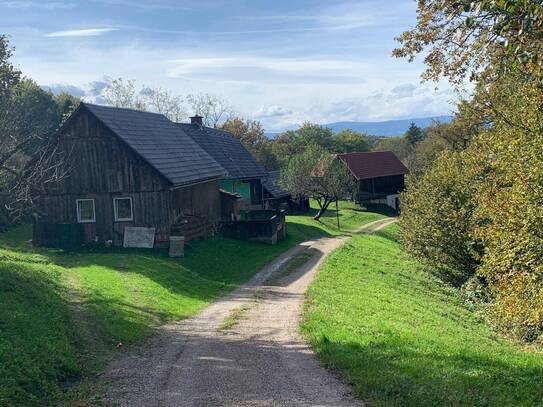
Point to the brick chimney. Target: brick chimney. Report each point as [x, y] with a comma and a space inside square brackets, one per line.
[196, 119]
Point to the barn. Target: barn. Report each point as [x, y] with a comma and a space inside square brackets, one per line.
[380, 176]
[129, 168]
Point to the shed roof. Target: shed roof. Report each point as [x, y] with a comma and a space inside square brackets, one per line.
[373, 164]
[227, 150]
[159, 142]
[271, 183]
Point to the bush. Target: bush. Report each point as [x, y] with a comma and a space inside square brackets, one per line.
[437, 220]
[510, 209]
[480, 211]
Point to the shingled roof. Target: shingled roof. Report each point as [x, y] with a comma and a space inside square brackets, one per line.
[373, 164]
[159, 142]
[271, 183]
[227, 150]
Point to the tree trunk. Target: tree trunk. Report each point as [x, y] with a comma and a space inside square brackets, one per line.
[322, 209]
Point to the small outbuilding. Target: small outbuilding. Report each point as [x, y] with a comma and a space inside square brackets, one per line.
[380, 176]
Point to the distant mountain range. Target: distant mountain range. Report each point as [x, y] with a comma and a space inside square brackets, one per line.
[387, 128]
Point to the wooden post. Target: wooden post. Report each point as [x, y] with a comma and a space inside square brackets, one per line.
[337, 216]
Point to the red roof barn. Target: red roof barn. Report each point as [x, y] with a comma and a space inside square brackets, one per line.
[380, 176]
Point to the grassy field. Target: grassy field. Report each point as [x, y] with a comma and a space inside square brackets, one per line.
[404, 339]
[63, 314]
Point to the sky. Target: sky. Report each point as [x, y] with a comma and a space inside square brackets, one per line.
[279, 62]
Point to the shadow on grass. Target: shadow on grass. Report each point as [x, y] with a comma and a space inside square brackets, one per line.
[211, 268]
[37, 348]
[381, 209]
[397, 371]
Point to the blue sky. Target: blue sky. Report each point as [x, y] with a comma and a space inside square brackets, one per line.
[281, 62]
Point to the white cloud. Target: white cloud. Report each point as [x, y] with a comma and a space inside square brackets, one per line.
[308, 67]
[57, 88]
[87, 32]
[272, 111]
[403, 91]
[44, 5]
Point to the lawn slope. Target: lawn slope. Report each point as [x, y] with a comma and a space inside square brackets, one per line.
[402, 338]
[64, 314]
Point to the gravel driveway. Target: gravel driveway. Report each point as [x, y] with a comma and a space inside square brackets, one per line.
[254, 358]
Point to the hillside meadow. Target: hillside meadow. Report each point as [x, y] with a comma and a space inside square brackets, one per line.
[404, 338]
[64, 314]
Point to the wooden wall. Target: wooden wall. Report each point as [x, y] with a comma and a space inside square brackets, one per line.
[103, 167]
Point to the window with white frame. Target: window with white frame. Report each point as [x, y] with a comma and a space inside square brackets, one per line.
[85, 211]
[123, 209]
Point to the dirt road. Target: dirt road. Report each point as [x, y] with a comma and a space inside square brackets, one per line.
[243, 350]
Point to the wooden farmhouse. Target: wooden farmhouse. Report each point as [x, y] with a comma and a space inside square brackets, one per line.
[380, 176]
[128, 168]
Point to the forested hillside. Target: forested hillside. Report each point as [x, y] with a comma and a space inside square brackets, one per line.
[472, 209]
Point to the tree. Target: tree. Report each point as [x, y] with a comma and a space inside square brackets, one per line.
[29, 116]
[67, 104]
[437, 219]
[293, 142]
[481, 201]
[414, 134]
[482, 39]
[509, 201]
[215, 110]
[317, 174]
[164, 102]
[398, 145]
[349, 141]
[251, 134]
[9, 75]
[121, 93]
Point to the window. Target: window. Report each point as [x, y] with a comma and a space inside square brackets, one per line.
[123, 209]
[85, 211]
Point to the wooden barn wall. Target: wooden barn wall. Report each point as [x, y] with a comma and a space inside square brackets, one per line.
[99, 162]
[102, 167]
[62, 209]
[201, 200]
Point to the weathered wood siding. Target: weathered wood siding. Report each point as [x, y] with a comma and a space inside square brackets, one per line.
[102, 167]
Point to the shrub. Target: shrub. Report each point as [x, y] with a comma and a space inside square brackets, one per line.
[510, 208]
[437, 219]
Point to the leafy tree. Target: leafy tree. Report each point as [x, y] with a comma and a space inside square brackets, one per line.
[440, 137]
[28, 157]
[295, 142]
[437, 219]
[317, 174]
[67, 104]
[349, 141]
[398, 145]
[465, 37]
[9, 75]
[509, 201]
[414, 134]
[251, 134]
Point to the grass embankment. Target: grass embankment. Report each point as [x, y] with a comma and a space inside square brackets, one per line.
[404, 339]
[63, 314]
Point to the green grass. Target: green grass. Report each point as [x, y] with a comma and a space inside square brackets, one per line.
[64, 314]
[403, 338]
